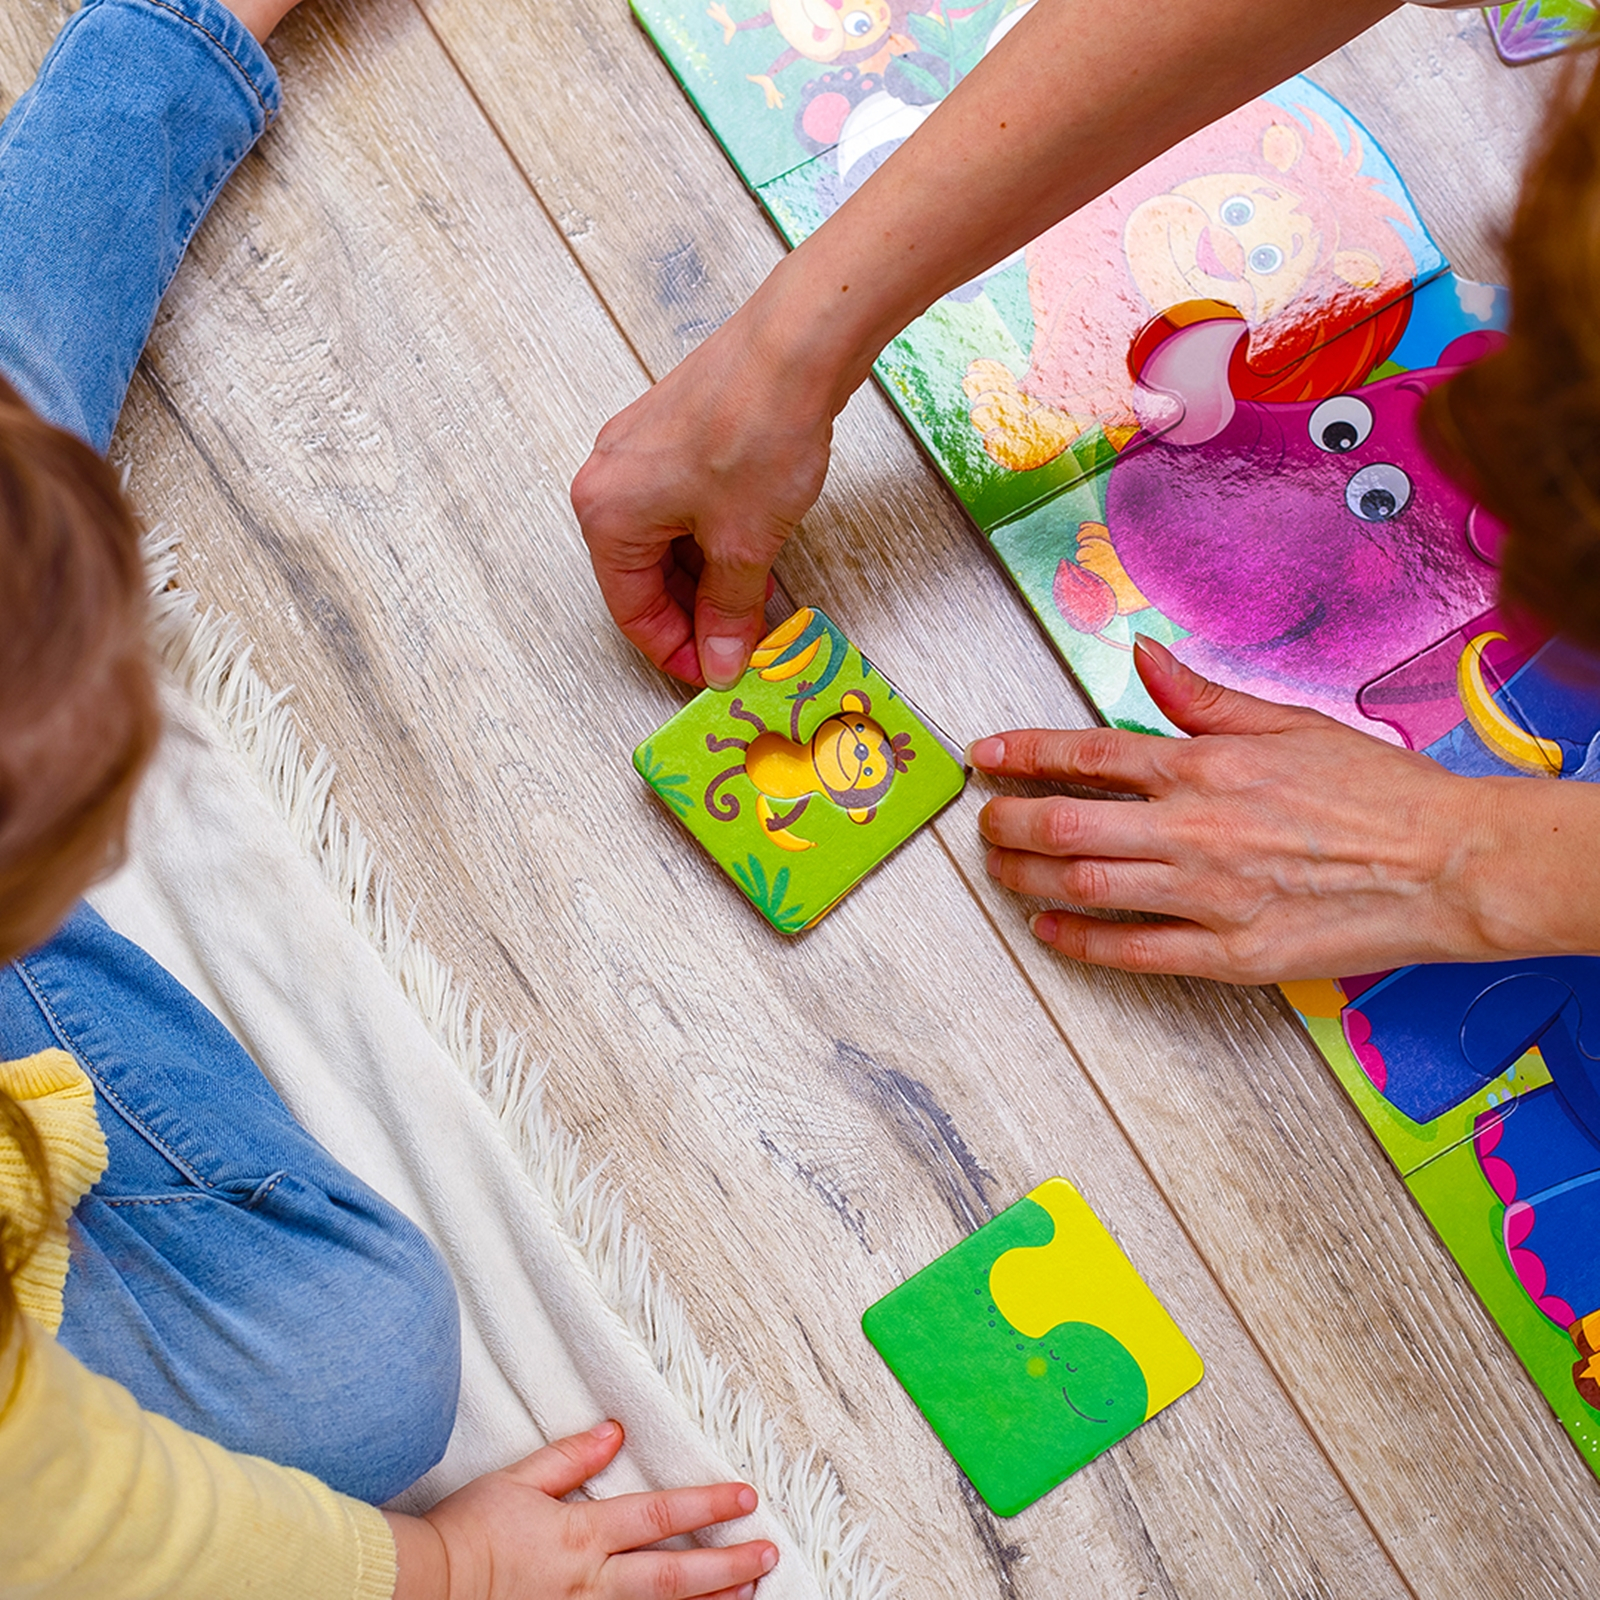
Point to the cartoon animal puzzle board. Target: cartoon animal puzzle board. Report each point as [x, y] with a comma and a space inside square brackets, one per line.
[1189, 410]
[1032, 1346]
[805, 775]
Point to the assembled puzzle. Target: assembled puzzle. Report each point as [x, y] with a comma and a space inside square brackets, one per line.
[1189, 410]
[805, 775]
[1032, 1347]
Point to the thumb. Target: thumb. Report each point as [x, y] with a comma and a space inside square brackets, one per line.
[728, 614]
[1197, 705]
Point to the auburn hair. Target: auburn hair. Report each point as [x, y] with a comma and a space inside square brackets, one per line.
[78, 713]
[1521, 428]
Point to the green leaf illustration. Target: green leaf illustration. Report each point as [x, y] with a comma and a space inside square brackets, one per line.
[671, 786]
[769, 898]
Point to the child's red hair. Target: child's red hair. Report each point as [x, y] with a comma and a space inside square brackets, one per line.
[78, 715]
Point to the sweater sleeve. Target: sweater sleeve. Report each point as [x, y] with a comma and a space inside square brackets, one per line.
[104, 1501]
[57, 1096]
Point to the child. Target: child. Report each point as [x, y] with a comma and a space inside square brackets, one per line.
[245, 1293]
[1277, 843]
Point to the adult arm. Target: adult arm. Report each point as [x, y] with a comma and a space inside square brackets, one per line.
[691, 491]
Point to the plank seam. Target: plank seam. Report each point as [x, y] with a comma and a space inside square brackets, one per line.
[533, 189]
[208, 655]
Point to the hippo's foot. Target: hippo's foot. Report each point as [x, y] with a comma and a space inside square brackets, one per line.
[1099, 556]
[719, 14]
[1019, 432]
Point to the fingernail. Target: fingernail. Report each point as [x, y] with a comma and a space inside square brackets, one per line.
[770, 1559]
[1045, 926]
[986, 754]
[991, 862]
[722, 661]
[747, 1500]
[1154, 651]
[747, 1592]
[606, 1430]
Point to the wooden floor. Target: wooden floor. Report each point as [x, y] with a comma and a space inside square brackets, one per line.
[481, 227]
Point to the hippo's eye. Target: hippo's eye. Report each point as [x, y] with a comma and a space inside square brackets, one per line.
[857, 23]
[1340, 424]
[1378, 492]
[1265, 259]
[1237, 210]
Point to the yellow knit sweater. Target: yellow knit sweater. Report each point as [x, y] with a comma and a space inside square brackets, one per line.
[101, 1500]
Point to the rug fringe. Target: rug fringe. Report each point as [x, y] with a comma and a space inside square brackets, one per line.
[209, 655]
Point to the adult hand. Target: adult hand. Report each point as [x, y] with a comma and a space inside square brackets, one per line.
[1277, 843]
[691, 491]
[510, 1535]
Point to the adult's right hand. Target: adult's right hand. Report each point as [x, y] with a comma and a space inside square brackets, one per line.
[691, 491]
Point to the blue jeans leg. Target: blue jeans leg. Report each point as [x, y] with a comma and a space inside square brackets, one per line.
[226, 1269]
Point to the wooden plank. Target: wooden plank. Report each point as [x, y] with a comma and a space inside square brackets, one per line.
[362, 405]
[1275, 1178]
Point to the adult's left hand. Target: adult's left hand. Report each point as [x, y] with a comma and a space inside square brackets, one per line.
[1277, 843]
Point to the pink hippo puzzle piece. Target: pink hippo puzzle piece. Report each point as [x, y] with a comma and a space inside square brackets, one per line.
[1307, 551]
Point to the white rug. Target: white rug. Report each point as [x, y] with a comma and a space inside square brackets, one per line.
[246, 883]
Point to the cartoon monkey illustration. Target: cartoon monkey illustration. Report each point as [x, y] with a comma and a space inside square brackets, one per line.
[849, 759]
[827, 31]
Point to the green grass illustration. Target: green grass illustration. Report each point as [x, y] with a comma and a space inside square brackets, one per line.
[671, 786]
[769, 898]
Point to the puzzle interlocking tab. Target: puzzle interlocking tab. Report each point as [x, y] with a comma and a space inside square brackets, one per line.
[1032, 1346]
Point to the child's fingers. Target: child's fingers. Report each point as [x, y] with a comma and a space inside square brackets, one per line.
[566, 1464]
[631, 1520]
[704, 1574]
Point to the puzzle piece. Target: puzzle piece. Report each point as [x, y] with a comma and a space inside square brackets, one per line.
[1518, 1233]
[1483, 1083]
[1019, 383]
[1032, 1346]
[1531, 30]
[1190, 411]
[805, 775]
[777, 86]
[1303, 551]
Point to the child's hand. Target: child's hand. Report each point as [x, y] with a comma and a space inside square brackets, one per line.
[1277, 843]
[261, 16]
[509, 1536]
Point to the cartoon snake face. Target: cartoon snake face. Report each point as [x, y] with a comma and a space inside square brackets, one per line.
[823, 30]
[853, 756]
